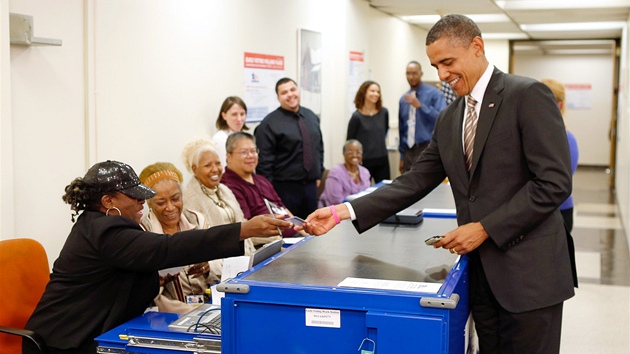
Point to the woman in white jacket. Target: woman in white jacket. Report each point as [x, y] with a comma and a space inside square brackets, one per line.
[231, 119]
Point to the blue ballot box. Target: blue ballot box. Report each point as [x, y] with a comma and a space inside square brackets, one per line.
[338, 293]
[344, 292]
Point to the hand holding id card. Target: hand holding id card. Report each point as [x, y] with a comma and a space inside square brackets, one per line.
[295, 220]
[275, 209]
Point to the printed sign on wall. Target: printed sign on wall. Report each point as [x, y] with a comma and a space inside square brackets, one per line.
[579, 96]
[357, 77]
[262, 71]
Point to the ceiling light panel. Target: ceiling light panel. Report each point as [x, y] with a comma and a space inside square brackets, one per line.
[489, 18]
[574, 26]
[560, 4]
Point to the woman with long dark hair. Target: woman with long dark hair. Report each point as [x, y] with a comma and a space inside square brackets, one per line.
[369, 125]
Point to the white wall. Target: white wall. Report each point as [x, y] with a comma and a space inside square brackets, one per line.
[44, 124]
[388, 44]
[498, 53]
[590, 126]
[170, 62]
[622, 173]
[135, 80]
[6, 127]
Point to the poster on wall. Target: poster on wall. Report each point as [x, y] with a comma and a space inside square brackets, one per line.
[310, 66]
[579, 96]
[357, 77]
[262, 71]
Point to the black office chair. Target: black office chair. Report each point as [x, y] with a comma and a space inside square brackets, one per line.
[25, 273]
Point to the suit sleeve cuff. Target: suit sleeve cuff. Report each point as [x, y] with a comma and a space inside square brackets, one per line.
[353, 216]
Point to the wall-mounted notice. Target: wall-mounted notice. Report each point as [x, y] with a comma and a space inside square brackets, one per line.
[262, 71]
[357, 77]
[579, 96]
[310, 66]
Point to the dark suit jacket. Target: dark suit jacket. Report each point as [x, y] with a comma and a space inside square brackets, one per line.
[521, 173]
[106, 274]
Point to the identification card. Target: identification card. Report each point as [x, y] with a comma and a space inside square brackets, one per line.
[194, 299]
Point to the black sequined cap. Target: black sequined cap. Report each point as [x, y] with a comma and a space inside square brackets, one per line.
[110, 176]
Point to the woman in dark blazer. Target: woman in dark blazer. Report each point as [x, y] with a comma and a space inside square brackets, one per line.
[107, 271]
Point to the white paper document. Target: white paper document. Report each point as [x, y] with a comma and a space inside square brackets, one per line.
[234, 265]
[436, 211]
[419, 287]
[231, 267]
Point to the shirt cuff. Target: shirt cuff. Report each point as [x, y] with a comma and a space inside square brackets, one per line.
[353, 216]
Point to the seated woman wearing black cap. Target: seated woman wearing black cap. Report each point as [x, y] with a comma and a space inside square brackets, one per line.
[107, 271]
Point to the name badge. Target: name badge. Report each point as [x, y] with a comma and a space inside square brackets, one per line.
[194, 299]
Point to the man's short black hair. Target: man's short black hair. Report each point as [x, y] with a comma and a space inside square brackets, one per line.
[283, 81]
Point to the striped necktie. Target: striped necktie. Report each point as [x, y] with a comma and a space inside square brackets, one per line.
[469, 130]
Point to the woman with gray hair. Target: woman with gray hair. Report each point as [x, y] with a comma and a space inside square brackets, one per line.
[205, 192]
[346, 178]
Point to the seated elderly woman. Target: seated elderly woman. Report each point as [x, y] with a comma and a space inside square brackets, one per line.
[179, 287]
[107, 271]
[205, 192]
[346, 178]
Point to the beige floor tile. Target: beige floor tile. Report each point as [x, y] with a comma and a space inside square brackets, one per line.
[597, 320]
[588, 264]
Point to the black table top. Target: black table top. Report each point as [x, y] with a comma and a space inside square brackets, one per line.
[384, 252]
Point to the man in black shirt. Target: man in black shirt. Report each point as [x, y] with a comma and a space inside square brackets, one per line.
[291, 150]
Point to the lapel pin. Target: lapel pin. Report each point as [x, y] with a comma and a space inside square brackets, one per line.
[491, 105]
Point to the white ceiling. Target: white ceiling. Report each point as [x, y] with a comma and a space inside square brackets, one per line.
[516, 17]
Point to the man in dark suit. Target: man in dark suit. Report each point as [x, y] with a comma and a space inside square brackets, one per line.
[507, 193]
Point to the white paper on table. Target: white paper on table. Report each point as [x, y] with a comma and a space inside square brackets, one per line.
[216, 295]
[419, 287]
[232, 266]
[436, 211]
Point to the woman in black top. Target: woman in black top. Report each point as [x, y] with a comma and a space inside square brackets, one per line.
[107, 271]
[369, 125]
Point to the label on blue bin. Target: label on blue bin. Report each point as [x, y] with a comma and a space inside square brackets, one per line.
[323, 318]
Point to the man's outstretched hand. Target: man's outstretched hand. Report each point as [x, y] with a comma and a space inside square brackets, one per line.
[323, 220]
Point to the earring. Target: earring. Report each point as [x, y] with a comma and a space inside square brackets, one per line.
[108, 209]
